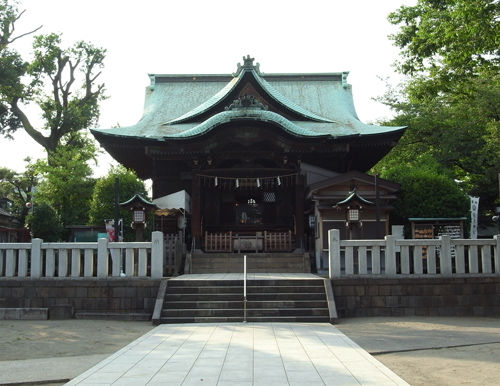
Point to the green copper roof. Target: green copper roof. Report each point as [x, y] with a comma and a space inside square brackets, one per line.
[207, 104]
[222, 94]
[354, 195]
[321, 104]
[246, 115]
[139, 199]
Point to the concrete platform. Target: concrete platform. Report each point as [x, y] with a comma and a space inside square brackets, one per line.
[241, 354]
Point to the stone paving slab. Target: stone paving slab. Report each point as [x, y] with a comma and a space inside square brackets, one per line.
[241, 354]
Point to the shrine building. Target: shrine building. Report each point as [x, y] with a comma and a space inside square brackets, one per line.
[265, 163]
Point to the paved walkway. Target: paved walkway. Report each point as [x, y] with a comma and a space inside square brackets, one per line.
[241, 354]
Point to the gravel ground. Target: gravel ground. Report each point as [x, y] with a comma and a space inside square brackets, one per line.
[432, 350]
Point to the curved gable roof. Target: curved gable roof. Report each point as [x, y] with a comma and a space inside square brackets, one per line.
[246, 115]
[184, 106]
[223, 97]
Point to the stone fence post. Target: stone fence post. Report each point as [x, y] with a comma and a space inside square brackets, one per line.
[445, 255]
[102, 258]
[496, 256]
[390, 255]
[333, 253]
[36, 258]
[157, 255]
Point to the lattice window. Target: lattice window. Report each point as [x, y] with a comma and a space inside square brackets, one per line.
[269, 197]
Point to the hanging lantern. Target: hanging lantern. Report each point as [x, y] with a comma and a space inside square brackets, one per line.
[216, 181]
[237, 183]
[279, 180]
[258, 182]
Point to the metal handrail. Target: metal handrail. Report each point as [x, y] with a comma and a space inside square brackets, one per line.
[244, 288]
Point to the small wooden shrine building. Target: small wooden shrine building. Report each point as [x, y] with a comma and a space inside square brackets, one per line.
[247, 147]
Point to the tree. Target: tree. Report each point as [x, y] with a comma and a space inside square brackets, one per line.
[62, 82]
[66, 180]
[102, 205]
[45, 223]
[18, 189]
[448, 40]
[451, 100]
[425, 193]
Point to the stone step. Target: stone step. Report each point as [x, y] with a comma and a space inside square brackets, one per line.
[250, 289]
[226, 269]
[256, 262]
[250, 264]
[282, 319]
[213, 319]
[250, 282]
[251, 312]
[238, 258]
[188, 301]
[250, 304]
[261, 296]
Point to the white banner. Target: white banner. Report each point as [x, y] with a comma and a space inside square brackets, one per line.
[474, 212]
[110, 229]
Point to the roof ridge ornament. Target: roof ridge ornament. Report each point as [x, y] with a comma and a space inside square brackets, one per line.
[247, 65]
[246, 101]
[344, 79]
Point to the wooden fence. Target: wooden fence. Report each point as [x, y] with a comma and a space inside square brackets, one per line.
[99, 259]
[250, 241]
[173, 253]
[399, 257]
[219, 242]
[278, 241]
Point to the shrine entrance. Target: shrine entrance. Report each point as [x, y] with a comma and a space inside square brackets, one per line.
[247, 147]
[251, 214]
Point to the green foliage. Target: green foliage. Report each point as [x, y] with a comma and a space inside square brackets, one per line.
[67, 182]
[62, 82]
[448, 39]
[102, 205]
[18, 188]
[461, 133]
[12, 67]
[427, 194]
[45, 223]
[451, 102]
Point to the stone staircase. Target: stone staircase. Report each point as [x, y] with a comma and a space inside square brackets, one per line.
[200, 262]
[275, 300]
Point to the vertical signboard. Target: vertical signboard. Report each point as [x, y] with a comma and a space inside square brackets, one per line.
[474, 210]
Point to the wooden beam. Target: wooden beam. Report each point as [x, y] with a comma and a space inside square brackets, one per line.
[196, 230]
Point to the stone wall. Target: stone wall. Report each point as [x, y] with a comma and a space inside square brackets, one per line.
[66, 296]
[457, 296]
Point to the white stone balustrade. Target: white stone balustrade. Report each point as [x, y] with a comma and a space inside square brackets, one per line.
[393, 257]
[100, 259]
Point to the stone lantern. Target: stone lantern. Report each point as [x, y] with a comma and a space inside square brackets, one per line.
[139, 206]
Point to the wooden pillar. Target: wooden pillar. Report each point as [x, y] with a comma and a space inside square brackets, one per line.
[196, 212]
[299, 211]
